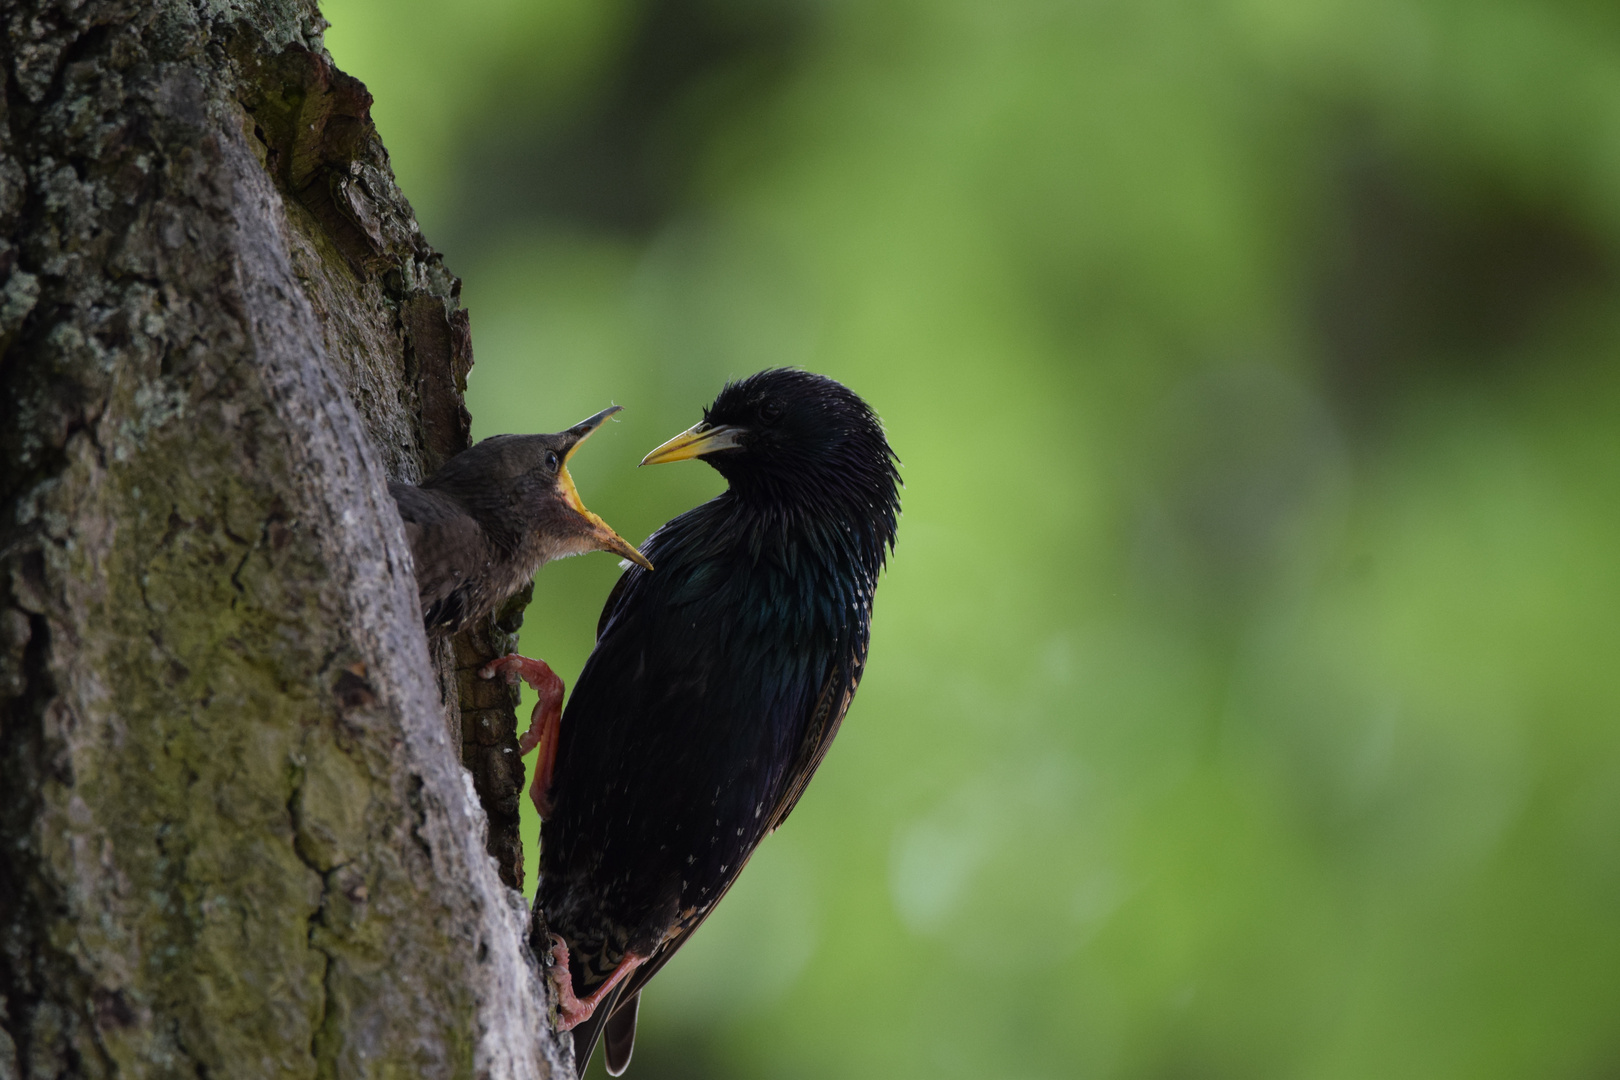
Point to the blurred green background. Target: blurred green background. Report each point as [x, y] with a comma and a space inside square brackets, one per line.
[1243, 695]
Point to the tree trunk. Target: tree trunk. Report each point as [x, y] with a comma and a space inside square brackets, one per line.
[237, 839]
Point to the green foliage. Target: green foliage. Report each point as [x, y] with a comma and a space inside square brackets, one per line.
[1242, 694]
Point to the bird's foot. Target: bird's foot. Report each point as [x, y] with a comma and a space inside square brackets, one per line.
[573, 1011]
[537, 673]
[543, 681]
[544, 722]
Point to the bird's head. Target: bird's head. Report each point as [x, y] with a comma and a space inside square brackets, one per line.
[522, 481]
[791, 436]
[573, 529]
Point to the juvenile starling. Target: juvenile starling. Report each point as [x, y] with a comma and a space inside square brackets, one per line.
[480, 528]
[715, 687]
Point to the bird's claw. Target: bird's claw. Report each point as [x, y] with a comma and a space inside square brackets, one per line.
[571, 1010]
[537, 673]
[543, 723]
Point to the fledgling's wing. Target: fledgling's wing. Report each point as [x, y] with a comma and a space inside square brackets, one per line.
[447, 547]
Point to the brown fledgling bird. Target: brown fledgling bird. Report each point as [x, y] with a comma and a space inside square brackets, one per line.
[480, 528]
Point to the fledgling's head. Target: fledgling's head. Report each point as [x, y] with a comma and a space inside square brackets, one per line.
[522, 483]
[793, 436]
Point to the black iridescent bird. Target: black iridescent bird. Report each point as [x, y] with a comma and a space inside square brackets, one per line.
[716, 686]
[480, 528]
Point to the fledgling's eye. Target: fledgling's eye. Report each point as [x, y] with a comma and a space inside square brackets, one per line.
[770, 410]
[551, 460]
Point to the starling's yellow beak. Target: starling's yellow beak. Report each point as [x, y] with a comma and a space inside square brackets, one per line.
[694, 442]
[599, 531]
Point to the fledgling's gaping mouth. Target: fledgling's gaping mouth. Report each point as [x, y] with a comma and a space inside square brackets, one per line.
[599, 531]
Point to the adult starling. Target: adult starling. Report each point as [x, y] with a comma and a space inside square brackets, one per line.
[715, 687]
[480, 528]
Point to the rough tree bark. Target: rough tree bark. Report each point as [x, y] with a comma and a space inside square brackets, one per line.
[235, 836]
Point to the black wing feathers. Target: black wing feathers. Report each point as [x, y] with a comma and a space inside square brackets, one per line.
[728, 715]
[819, 736]
[831, 705]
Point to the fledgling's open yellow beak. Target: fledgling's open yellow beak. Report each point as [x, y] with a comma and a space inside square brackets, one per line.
[599, 531]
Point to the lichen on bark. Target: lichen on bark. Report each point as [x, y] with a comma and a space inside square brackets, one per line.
[236, 835]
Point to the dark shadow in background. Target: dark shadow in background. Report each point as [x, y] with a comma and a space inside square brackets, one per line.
[1435, 275]
[620, 159]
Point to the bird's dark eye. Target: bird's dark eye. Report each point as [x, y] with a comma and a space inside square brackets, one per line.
[770, 410]
[551, 460]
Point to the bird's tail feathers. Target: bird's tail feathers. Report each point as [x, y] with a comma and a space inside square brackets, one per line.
[588, 1031]
[619, 1035]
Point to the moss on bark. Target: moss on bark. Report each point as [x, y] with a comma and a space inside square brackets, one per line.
[236, 835]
